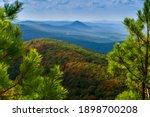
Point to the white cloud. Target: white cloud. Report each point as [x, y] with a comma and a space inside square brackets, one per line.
[81, 8]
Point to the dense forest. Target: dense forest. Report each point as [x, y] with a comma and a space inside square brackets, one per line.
[48, 69]
[85, 72]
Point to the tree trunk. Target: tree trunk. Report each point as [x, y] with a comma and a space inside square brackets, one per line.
[146, 63]
[143, 91]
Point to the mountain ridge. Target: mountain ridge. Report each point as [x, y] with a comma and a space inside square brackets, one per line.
[84, 71]
[97, 38]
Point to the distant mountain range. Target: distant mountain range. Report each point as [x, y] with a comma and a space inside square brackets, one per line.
[95, 36]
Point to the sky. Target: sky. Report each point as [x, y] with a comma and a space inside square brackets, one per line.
[83, 10]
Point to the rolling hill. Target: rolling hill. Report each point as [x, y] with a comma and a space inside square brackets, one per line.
[85, 74]
[98, 37]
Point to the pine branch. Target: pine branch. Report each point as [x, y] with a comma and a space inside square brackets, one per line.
[11, 10]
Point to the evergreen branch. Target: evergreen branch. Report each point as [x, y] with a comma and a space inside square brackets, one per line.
[14, 85]
[11, 10]
[126, 65]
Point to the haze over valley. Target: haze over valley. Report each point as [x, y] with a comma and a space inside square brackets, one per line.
[97, 36]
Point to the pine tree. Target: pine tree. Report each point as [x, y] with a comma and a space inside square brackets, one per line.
[52, 87]
[31, 83]
[130, 60]
[11, 10]
[29, 80]
[11, 47]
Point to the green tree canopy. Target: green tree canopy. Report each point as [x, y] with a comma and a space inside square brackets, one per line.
[130, 61]
[30, 83]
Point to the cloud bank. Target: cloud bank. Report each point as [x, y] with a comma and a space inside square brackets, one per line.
[79, 9]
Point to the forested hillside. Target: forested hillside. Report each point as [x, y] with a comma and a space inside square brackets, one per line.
[85, 72]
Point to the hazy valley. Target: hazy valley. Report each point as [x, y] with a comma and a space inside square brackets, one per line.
[98, 36]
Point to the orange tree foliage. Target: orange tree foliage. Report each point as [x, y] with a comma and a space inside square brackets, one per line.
[85, 74]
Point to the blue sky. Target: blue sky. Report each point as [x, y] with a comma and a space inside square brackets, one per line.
[84, 10]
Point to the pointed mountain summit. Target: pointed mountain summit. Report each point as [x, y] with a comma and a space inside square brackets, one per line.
[78, 25]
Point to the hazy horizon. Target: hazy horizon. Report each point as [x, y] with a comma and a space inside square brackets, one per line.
[98, 21]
